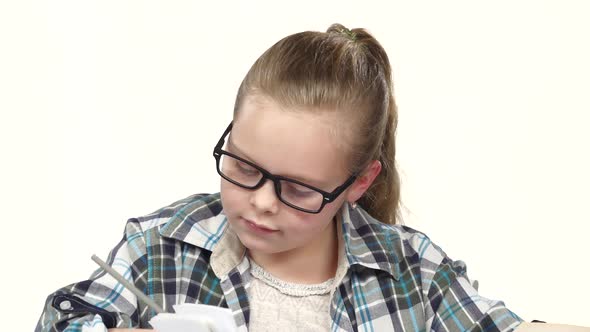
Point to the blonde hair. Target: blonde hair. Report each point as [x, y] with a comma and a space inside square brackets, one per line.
[346, 71]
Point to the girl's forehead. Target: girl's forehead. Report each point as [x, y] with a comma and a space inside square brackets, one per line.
[293, 143]
[327, 123]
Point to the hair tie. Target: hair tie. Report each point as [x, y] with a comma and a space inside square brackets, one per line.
[348, 33]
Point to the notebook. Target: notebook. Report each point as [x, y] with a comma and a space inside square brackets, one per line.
[195, 318]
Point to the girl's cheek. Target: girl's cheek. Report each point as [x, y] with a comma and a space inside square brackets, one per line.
[231, 192]
[230, 199]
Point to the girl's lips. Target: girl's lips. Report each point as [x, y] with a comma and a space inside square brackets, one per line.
[259, 228]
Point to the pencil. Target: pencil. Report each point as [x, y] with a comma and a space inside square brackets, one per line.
[140, 295]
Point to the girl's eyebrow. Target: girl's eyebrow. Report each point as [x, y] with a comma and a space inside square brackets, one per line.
[314, 183]
[230, 144]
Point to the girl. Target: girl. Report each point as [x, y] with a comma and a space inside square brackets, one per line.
[303, 235]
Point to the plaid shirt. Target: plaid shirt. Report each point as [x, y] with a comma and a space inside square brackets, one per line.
[395, 279]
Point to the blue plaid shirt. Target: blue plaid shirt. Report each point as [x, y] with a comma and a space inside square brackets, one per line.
[395, 278]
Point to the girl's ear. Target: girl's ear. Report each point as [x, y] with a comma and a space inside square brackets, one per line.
[363, 181]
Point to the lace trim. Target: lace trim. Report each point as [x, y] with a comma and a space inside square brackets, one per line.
[290, 288]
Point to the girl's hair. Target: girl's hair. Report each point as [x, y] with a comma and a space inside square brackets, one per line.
[346, 71]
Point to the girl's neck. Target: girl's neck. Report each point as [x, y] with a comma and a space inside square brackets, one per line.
[314, 263]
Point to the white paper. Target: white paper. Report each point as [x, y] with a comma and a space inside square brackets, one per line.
[191, 317]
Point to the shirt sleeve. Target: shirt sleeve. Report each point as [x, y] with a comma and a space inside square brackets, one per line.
[100, 302]
[455, 305]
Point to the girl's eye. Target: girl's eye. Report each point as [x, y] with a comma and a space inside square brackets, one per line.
[246, 169]
[298, 191]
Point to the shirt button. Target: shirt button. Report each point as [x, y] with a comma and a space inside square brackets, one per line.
[65, 305]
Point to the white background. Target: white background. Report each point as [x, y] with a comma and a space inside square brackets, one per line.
[110, 110]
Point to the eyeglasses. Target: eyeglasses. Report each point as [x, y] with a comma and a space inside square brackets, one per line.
[293, 193]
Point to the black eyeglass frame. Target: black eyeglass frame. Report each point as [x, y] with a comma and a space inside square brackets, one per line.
[328, 197]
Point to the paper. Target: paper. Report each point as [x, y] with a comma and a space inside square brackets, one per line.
[191, 317]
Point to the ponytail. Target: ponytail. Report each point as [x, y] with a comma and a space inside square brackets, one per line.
[382, 199]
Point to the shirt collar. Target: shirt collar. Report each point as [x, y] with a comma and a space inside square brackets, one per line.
[367, 242]
[199, 222]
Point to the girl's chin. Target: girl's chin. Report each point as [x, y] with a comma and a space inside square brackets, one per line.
[258, 245]
[253, 245]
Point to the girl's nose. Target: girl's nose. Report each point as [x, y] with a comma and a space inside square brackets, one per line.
[265, 199]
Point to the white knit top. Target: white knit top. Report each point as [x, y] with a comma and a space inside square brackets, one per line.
[277, 305]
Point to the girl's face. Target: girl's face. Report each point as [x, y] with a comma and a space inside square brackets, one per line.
[291, 143]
